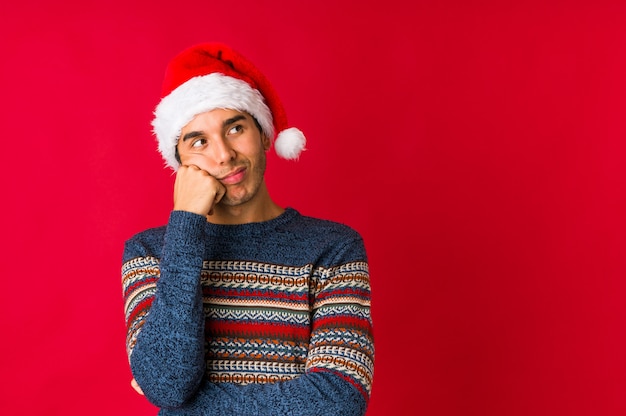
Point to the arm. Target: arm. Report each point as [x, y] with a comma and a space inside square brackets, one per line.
[339, 366]
[166, 345]
[312, 394]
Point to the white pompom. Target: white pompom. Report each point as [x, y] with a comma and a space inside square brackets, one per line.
[290, 143]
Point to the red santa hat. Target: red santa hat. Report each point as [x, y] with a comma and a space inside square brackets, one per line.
[209, 76]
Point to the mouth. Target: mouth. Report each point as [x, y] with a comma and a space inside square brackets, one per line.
[233, 177]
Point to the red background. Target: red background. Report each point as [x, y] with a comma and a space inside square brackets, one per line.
[477, 146]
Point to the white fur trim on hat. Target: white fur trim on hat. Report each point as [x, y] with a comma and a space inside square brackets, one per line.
[201, 94]
[290, 143]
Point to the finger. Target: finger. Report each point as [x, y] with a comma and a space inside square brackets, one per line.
[135, 386]
[221, 191]
[190, 166]
[219, 194]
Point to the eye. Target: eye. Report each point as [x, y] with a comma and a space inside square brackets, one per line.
[198, 143]
[237, 128]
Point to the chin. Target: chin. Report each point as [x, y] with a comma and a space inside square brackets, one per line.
[233, 201]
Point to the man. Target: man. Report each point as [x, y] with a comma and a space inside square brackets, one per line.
[239, 306]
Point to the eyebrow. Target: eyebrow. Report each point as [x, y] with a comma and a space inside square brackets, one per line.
[227, 122]
[234, 119]
[191, 135]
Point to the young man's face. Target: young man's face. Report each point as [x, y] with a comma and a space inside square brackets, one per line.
[229, 146]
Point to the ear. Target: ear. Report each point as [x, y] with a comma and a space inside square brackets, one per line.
[267, 143]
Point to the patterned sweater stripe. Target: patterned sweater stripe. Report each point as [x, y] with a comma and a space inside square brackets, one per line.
[255, 330]
[253, 295]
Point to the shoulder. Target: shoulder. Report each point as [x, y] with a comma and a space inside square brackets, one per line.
[147, 243]
[321, 228]
[324, 238]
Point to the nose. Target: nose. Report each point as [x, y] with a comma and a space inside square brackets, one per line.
[223, 153]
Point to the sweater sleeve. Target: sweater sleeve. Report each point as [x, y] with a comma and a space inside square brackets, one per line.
[339, 367]
[166, 345]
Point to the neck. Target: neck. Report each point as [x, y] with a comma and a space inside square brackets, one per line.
[260, 208]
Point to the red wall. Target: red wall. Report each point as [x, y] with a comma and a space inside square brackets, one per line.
[478, 148]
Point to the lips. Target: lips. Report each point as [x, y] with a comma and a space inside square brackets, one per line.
[233, 177]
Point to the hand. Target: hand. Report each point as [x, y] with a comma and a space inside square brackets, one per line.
[134, 385]
[195, 190]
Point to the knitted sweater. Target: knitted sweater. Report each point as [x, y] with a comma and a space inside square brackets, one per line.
[269, 318]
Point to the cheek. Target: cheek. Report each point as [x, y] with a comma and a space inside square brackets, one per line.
[194, 159]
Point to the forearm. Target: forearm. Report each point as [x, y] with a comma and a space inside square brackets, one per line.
[311, 394]
[168, 358]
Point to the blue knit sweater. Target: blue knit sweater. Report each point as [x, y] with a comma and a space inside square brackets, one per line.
[266, 318]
